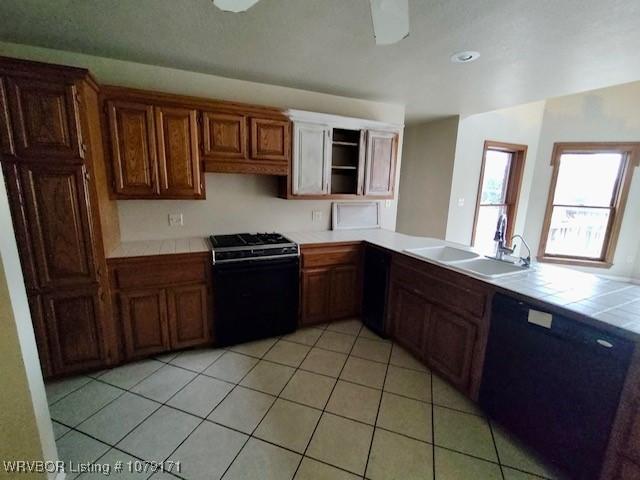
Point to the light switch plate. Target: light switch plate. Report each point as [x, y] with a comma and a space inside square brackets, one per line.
[175, 220]
[461, 202]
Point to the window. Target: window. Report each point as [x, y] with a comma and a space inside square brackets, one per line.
[589, 188]
[500, 179]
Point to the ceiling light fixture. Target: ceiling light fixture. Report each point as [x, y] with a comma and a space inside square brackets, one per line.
[467, 56]
[234, 6]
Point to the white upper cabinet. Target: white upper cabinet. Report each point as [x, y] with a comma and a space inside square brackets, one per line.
[311, 167]
[382, 148]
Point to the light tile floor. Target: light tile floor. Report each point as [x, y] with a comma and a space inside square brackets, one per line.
[332, 402]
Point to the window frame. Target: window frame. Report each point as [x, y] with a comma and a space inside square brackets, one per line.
[630, 152]
[514, 183]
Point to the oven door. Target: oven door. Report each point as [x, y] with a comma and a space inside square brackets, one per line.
[255, 299]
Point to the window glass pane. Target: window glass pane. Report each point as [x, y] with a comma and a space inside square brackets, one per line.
[486, 229]
[496, 175]
[587, 179]
[577, 232]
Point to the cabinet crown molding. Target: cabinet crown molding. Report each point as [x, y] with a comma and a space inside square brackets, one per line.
[338, 121]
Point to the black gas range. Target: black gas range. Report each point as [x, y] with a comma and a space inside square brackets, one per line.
[251, 246]
[256, 279]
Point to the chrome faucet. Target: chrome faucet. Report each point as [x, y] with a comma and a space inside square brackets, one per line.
[526, 261]
[501, 230]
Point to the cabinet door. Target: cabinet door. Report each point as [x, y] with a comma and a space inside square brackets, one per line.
[270, 139]
[188, 318]
[21, 224]
[45, 120]
[451, 341]
[410, 316]
[6, 140]
[345, 292]
[316, 290]
[224, 136]
[133, 149]
[74, 328]
[627, 469]
[57, 206]
[380, 163]
[40, 332]
[311, 159]
[632, 432]
[178, 157]
[144, 322]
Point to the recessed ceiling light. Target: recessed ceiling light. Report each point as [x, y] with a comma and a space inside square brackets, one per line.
[465, 57]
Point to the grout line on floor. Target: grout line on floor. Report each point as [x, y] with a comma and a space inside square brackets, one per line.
[306, 448]
[373, 434]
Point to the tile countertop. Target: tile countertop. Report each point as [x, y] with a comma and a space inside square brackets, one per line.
[160, 247]
[611, 302]
[608, 301]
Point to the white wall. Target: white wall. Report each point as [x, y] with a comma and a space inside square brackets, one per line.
[25, 425]
[425, 181]
[234, 202]
[520, 125]
[605, 115]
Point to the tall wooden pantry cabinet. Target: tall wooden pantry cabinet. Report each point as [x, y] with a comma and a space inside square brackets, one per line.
[52, 162]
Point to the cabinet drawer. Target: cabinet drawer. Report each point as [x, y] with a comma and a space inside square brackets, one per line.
[332, 255]
[141, 274]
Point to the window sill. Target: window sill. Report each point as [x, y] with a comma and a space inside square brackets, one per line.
[577, 262]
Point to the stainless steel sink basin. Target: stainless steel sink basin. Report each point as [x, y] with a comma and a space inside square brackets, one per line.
[486, 267]
[444, 254]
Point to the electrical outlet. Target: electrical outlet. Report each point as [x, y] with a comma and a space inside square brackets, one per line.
[316, 215]
[175, 220]
[461, 202]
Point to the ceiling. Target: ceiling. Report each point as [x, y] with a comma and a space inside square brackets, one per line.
[531, 50]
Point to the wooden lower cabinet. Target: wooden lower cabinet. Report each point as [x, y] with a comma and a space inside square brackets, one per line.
[163, 302]
[144, 322]
[428, 313]
[410, 318]
[330, 287]
[74, 329]
[344, 295]
[451, 341]
[188, 318]
[316, 292]
[626, 469]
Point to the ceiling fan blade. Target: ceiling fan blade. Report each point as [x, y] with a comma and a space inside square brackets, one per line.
[390, 20]
[235, 6]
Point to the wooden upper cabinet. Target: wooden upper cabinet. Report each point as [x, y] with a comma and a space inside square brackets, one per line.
[178, 155]
[224, 136]
[380, 163]
[133, 149]
[45, 120]
[270, 139]
[6, 139]
[188, 317]
[311, 159]
[57, 208]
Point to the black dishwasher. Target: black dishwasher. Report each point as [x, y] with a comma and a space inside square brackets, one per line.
[555, 383]
[374, 295]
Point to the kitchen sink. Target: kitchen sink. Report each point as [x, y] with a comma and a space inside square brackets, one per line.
[486, 267]
[443, 254]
